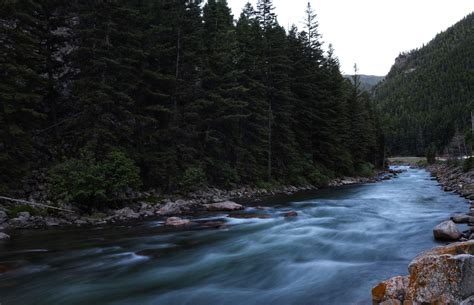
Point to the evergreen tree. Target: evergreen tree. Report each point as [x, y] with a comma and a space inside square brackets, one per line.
[22, 87]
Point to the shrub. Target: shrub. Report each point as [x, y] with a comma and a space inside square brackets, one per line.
[87, 181]
[193, 178]
[364, 170]
[15, 210]
[318, 177]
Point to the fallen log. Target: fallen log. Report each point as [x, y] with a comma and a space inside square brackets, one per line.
[34, 204]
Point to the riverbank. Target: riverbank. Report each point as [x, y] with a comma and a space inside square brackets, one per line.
[151, 205]
[357, 235]
[444, 275]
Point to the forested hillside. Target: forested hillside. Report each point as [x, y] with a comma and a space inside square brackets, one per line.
[428, 96]
[172, 95]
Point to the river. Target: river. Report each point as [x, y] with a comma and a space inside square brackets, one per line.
[342, 243]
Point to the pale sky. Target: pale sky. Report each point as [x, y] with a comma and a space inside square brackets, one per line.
[371, 33]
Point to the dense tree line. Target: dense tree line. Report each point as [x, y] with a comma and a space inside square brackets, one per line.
[427, 98]
[179, 87]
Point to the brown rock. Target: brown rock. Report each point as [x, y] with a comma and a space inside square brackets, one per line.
[392, 289]
[177, 222]
[447, 231]
[444, 274]
[462, 218]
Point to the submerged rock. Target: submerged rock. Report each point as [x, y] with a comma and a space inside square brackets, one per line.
[447, 231]
[444, 275]
[177, 222]
[213, 224]
[290, 214]
[250, 216]
[224, 206]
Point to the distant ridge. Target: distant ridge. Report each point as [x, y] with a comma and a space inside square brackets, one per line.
[367, 82]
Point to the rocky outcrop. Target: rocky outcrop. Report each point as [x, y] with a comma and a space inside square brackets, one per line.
[4, 236]
[444, 275]
[447, 231]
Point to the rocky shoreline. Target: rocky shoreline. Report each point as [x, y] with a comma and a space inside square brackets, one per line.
[444, 275]
[204, 201]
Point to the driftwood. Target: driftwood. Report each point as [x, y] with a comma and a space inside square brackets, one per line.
[34, 204]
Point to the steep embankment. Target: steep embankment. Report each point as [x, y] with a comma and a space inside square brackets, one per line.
[428, 95]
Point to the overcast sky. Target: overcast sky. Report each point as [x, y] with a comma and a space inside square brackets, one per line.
[372, 33]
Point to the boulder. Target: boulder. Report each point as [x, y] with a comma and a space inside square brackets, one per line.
[444, 275]
[224, 206]
[447, 231]
[126, 213]
[177, 222]
[3, 216]
[462, 218]
[21, 221]
[392, 289]
[468, 301]
[170, 208]
[4, 236]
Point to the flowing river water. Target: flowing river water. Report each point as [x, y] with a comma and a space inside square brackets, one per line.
[342, 243]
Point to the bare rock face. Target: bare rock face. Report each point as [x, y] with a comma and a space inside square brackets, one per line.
[447, 231]
[444, 275]
[177, 222]
[224, 206]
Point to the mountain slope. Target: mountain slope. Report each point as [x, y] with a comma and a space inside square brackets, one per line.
[427, 97]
